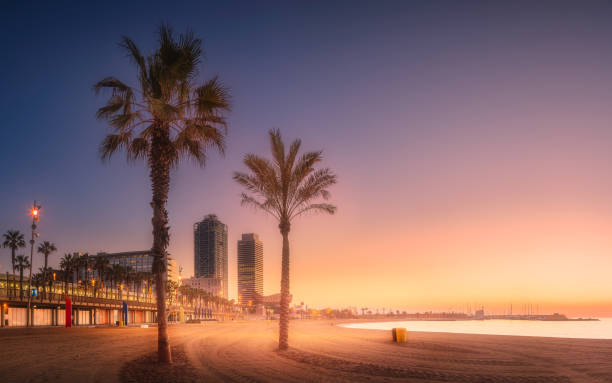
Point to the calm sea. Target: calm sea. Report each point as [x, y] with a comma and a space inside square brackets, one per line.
[601, 329]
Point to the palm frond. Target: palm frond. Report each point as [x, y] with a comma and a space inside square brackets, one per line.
[188, 146]
[210, 99]
[134, 54]
[114, 84]
[317, 207]
[267, 206]
[138, 149]
[278, 148]
[112, 143]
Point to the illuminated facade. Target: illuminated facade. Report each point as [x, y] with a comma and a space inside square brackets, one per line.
[210, 250]
[250, 270]
[138, 261]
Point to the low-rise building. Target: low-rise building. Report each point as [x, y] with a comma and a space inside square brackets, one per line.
[213, 286]
[137, 261]
[272, 302]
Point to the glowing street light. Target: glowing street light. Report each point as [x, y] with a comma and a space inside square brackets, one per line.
[35, 212]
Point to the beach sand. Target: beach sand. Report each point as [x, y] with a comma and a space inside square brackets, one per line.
[320, 352]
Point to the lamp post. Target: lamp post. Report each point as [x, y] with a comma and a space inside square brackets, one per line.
[35, 218]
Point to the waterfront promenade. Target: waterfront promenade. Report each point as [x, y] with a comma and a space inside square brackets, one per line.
[91, 306]
[245, 351]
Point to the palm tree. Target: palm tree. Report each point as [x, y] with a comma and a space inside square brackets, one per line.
[116, 273]
[128, 274]
[83, 262]
[21, 263]
[44, 278]
[101, 265]
[45, 249]
[38, 279]
[165, 119]
[14, 240]
[285, 187]
[67, 264]
[139, 278]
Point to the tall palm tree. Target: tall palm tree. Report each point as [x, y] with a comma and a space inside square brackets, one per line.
[166, 118]
[285, 187]
[13, 239]
[45, 249]
[21, 263]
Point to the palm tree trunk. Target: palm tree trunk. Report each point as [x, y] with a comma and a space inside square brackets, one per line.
[283, 336]
[45, 275]
[21, 284]
[159, 163]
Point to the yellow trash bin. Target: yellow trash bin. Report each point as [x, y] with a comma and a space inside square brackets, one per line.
[399, 335]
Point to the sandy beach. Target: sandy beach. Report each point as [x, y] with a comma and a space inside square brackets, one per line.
[321, 351]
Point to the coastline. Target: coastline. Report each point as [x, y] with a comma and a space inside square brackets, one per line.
[562, 329]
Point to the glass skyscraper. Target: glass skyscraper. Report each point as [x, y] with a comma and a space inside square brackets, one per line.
[210, 250]
[250, 270]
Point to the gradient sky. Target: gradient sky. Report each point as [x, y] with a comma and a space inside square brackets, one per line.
[472, 141]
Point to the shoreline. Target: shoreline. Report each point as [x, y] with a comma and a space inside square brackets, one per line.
[461, 328]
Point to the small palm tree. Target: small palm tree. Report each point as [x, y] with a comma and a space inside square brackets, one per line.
[21, 263]
[13, 239]
[67, 264]
[44, 278]
[101, 265]
[286, 187]
[116, 272]
[83, 268]
[38, 279]
[167, 118]
[139, 278]
[45, 249]
[128, 277]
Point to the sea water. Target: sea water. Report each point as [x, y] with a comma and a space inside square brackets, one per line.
[601, 329]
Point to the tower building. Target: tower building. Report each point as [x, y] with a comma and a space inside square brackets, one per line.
[250, 270]
[210, 250]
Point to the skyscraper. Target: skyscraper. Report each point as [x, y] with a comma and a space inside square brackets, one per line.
[250, 270]
[210, 250]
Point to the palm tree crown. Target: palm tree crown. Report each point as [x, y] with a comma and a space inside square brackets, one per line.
[21, 263]
[68, 264]
[167, 98]
[287, 186]
[45, 249]
[13, 239]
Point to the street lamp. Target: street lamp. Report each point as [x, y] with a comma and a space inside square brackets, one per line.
[35, 212]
